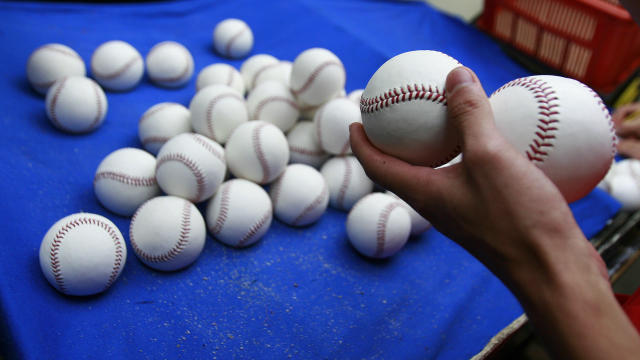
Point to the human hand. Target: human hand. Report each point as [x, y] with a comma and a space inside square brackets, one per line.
[627, 121]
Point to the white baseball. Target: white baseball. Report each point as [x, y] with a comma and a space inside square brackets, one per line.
[605, 183]
[356, 96]
[76, 104]
[332, 122]
[254, 66]
[167, 233]
[317, 75]
[626, 189]
[347, 181]
[169, 64]
[309, 111]
[554, 122]
[117, 65]
[300, 195]
[233, 38]
[82, 254]
[160, 123]
[279, 71]
[190, 166]
[257, 151]
[216, 111]
[125, 179]
[378, 226]
[240, 213]
[52, 62]
[404, 108]
[418, 223]
[223, 74]
[273, 102]
[304, 147]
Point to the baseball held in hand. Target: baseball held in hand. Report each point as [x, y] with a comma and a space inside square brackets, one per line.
[404, 108]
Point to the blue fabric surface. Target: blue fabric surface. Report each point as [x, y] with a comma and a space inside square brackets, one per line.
[301, 293]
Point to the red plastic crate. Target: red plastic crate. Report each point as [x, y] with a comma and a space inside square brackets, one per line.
[594, 41]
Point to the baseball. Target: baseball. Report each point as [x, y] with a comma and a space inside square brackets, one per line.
[404, 108]
[554, 121]
[216, 111]
[76, 104]
[116, 65]
[300, 195]
[355, 96]
[378, 226]
[50, 63]
[272, 102]
[167, 233]
[190, 166]
[257, 151]
[418, 223]
[317, 75]
[279, 71]
[347, 181]
[232, 38]
[160, 123]
[169, 64]
[332, 122]
[82, 254]
[222, 74]
[125, 179]
[626, 189]
[240, 213]
[309, 111]
[253, 67]
[304, 147]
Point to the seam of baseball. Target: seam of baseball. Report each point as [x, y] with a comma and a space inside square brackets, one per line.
[210, 106]
[303, 151]
[307, 84]
[125, 178]
[345, 183]
[270, 99]
[314, 204]
[45, 84]
[54, 101]
[605, 111]
[404, 93]
[275, 190]
[154, 139]
[345, 147]
[183, 238]
[117, 72]
[223, 213]
[192, 166]
[149, 113]
[56, 267]
[186, 65]
[381, 230]
[257, 148]
[99, 111]
[253, 230]
[208, 147]
[260, 71]
[547, 102]
[235, 37]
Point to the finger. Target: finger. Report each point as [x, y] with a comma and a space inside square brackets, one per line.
[630, 148]
[391, 173]
[468, 108]
[621, 113]
[629, 129]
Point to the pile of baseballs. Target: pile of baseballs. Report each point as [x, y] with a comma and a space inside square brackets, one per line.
[623, 183]
[268, 139]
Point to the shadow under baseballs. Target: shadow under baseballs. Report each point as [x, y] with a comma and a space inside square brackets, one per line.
[22, 84]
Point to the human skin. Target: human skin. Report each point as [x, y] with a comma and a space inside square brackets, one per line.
[503, 210]
[627, 121]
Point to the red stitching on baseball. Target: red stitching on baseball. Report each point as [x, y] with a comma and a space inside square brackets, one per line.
[54, 101]
[154, 139]
[405, 93]
[183, 237]
[345, 183]
[314, 204]
[186, 67]
[204, 142]
[345, 147]
[303, 151]
[257, 147]
[192, 166]
[210, 107]
[224, 209]
[116, 73]
[255, 228]
[234, 38]
[264, 102]
[99, 112]
[314, 75]
[56, 267]
[382, 226]
[264, 68]
[149, 113]
[125, 179]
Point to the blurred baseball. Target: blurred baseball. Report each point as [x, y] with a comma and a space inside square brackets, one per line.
[167, 233]
[222, 74]
[300, 195]
[626, 189]
[253, 67]
[117, 65]
[332, 122]
[554, 121]
[404, 108]
[76, 104]
[347, 181]
[378, 226]
[317, 75]
[240, 213]
[216, 111]
[190, 166]
[418, 223]
[272, 102]
[125, 179]
[355, 96]
[82, 254]
[232, 38]
[169, 64]
[257, 151]
[160, 123]
[52, 62]
[304, 147]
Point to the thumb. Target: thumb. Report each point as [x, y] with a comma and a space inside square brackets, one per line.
[468, 108]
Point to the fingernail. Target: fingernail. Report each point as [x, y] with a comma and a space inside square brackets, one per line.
[458, 77]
